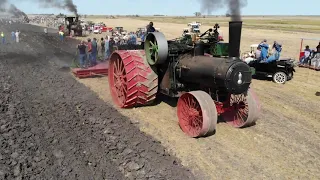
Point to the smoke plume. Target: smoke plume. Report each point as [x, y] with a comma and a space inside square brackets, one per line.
[233, 6]
[60, 4]
[12, 9]
[16, 12]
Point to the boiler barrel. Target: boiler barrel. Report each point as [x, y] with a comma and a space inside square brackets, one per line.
[224, 74]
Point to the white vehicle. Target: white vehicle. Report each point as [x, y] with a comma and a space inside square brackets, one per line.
[97, 30]
[195, 29]
[194, 23]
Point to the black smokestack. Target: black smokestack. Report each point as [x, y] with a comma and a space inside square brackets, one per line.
[233, 6]
[234, 38]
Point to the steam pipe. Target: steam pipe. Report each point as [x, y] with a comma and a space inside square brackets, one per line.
[234, 38]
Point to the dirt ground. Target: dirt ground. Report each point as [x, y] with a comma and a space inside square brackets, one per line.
[53, 127]
[285, 142]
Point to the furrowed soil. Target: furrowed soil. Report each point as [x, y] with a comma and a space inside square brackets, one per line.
[285, 142]
[53, 127]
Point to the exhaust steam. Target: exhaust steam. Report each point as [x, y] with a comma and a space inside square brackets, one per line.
[12, 9]
[16, 12]
[234, 7]
[60, 4]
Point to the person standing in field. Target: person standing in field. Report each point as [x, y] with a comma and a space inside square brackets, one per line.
[112, 43]
[107, 49]
[13, 36]
[3, 38]
[94, 52]
[89, 45]
[102, 44]
[17, 36]
[61, 35]
[142, 37]
[82, 54]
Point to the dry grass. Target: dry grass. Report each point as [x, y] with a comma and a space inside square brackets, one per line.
[277, 23]
[293, 23]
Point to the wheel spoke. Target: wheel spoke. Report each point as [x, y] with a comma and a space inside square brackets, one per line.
[119, 81]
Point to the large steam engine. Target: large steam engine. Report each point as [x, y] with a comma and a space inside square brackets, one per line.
[206, 75]
[71, 23]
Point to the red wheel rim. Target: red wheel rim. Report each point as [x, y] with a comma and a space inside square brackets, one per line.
[190, 115]
[118, 81]
[239, 111]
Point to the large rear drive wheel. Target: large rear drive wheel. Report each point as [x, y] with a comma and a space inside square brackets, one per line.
[197, 114]
[132, 82]
[244, 110]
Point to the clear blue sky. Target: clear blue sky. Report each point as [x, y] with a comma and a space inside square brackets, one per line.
[177, 7]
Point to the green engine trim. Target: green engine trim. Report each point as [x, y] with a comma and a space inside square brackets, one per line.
[253, 70]
[219, 49]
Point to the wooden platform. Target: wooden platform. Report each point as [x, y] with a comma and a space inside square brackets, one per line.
[101, 69]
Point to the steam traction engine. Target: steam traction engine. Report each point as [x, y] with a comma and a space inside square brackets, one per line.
[207, 76]
[71, 23]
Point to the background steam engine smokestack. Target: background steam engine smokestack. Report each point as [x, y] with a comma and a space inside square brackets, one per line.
[234, 38]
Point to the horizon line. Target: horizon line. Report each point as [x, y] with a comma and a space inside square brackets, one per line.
[160, 15]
